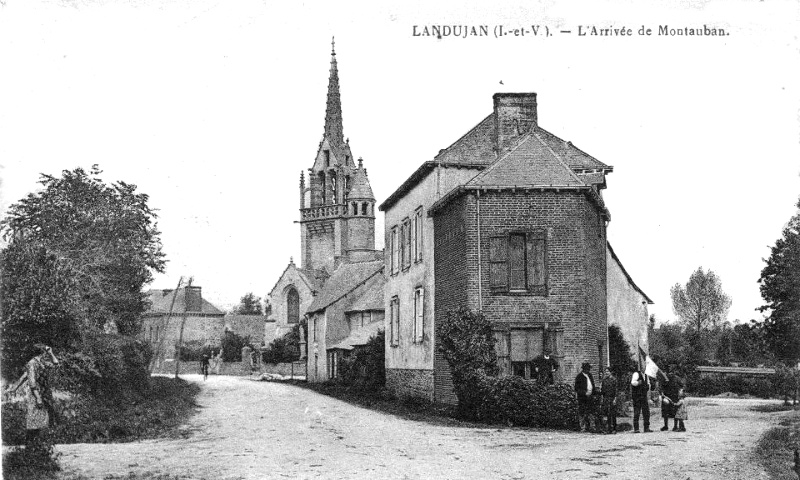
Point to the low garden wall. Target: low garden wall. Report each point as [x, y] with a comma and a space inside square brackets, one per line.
[295, 369]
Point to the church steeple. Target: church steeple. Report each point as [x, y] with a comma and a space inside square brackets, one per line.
[333, 112]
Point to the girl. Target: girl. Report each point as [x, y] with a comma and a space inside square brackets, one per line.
[681, 413]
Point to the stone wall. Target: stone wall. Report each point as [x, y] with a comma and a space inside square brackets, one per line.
[410, 383]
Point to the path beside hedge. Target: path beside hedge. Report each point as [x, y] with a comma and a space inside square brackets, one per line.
[254, 430]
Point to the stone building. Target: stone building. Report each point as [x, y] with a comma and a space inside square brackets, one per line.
[627, 305]
[202, 321]
[509, 220]
[337, 245]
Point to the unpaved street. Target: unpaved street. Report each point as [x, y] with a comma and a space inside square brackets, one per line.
[254, 430]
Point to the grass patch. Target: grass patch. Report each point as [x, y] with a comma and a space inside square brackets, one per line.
[775, 449]
[82, 419]
[774, 407]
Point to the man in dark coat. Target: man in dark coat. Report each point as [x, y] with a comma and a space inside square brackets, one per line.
[640, 388]
[545, 368]
[609, 392]
[584, 389]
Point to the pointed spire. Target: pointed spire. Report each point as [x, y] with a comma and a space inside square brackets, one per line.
[333, 112]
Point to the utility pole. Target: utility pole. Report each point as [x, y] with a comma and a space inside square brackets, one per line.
[180, 335]
[160, 348]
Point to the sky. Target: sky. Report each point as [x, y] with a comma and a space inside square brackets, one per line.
[213, 108]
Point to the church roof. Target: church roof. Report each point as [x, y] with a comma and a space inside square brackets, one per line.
[314, 278]
[368, 299]
[360, 184]
[344, 280]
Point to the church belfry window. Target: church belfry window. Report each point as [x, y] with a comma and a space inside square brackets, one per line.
[327, 158]
[322, 186]
[364, 208]
[333, 187]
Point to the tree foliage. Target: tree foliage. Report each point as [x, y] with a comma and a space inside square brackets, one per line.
[780, 289]
[79, 253]
[619, 352]
[249, 304]
[700, 304]
[284, 349]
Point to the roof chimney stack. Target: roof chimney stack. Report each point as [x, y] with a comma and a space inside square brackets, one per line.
[514, 116]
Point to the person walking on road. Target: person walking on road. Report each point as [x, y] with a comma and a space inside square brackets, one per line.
[204, 361]
[640, 388]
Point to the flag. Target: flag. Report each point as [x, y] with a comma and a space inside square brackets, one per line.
[650, 369]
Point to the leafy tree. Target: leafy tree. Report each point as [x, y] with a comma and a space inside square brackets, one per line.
[700, 304]
[284, 349]
[780, 289]
[232, 345]
[619, 352]
[249, 304]
[79, 253]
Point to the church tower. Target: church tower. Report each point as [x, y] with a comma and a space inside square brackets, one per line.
[337, 207]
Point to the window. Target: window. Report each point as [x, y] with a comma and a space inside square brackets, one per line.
[322, 187]
[314, 329]
[394, 324]
[419, 314]
[395, 251]
[327, 158]
[405, 234]
[292, 306]
[364, 208]
[518, 261]
[517, 348]
[333, 188]
[417, 235]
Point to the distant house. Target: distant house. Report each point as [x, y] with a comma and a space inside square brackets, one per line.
[509, 220]
[201, 320]
[350, 304]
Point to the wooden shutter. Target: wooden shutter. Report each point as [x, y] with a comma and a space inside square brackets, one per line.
[498, 267]
[516, 262]
[419, 306]
[526, 344]
[536, 258]
[418, 219]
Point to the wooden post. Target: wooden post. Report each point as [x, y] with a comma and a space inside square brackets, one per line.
[178, 348]
[160, 348]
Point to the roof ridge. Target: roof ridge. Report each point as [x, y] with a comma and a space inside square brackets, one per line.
[560, 160]
[463, 136]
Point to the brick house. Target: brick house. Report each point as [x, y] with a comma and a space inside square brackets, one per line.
[508, 220]
[338, 260]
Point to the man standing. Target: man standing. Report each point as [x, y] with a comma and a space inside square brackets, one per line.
[546, 367]
[609, 391]
[639, 393]
[584, 388]
[204, 361]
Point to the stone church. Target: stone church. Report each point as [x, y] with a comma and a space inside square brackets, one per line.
[339, 276]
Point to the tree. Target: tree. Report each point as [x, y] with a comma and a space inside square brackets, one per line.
[780, 289]
[89, 248]
[700, 304]
[619, 352]
[249, 304]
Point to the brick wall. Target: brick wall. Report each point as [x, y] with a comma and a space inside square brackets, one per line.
[576, 268]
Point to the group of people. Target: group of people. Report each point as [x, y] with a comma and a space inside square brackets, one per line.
[210, 362]
[598, 401]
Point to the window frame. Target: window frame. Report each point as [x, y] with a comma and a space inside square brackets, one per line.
[394, 321]
[419, 314]
[418, 236]
[394, 257]
[405, 242]
[504, 277]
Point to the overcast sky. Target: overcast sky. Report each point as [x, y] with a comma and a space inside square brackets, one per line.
[214, 107]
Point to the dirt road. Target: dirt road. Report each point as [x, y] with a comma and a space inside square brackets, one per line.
[254, 430]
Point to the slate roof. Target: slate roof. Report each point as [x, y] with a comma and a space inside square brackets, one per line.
[369, 298]
[314, 278]
[360, 187]
[532, 163]
[573, 156]
[344, 280]
[476, 147]
[358, 337]
[160, 301]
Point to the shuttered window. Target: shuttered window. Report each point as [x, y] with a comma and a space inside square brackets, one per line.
[518, 262]
[395, 251]
[394, 321]
[418, 235]
[419, 314]
[526, 344]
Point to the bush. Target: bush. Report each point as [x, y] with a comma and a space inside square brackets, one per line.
[365, 367]
[193, 351]
[232, 345]
[738, 384]
[467, 342]
[284, 349]
[122, 364]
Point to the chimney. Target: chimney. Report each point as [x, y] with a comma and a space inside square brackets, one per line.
[514, 116]
[194, 299]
